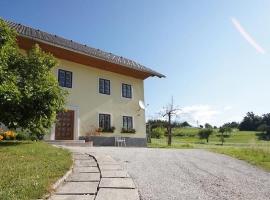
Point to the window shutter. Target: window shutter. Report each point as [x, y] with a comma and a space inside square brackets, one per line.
[61, 78]
[101, 86]
[107, 87]
[68, 79]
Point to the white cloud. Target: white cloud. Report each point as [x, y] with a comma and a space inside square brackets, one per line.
[247, 36]
[226, 108]
[201, 114]
[198, 114]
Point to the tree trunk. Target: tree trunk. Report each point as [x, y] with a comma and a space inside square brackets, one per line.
[149, 133]
[169, 131]
[222, 139]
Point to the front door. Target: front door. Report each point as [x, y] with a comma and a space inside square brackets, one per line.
[64, 128]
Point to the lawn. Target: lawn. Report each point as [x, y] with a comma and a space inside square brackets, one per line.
[29, 169]
[243, 145]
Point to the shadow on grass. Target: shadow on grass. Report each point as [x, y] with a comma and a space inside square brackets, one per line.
[13, 143]
[263, 136]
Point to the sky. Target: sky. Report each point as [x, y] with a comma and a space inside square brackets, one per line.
[215, 54]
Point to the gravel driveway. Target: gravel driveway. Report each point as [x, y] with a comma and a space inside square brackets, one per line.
[175, 174]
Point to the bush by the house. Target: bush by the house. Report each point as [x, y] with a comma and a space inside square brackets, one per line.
[7, 135]
[22, 136]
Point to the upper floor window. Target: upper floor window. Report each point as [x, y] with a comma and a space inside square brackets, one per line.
[126, 90]
[105, 121]
[127, 122]
[65, 78]
[104, 86]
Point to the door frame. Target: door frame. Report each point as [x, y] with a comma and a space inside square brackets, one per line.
[76, 129]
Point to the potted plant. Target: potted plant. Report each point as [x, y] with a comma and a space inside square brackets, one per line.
[131, 130]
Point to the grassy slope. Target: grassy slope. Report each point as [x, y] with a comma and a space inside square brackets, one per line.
[28, 169]
[254, 155]
[242, 145]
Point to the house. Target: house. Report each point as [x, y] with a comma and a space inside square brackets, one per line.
[104, 90]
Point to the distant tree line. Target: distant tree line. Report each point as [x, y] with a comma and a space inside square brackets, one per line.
[163, 123]
[251, 122]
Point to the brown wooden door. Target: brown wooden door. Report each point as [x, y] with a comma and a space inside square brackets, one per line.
[64, 128]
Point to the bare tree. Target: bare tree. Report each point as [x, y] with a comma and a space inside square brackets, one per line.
[169, 111]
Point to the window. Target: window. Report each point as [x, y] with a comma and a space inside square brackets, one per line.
[105, 121]
[65, 78]
[127, 123]
[104, 86]
[126, 91]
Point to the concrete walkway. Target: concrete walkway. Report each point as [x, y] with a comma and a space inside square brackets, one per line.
[96, 177]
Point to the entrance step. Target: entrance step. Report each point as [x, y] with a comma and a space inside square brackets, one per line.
[80, 143]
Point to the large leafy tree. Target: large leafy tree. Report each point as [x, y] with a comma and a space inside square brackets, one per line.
[29, 93]
[250, 122]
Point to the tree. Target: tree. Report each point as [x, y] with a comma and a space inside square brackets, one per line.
[207, 125]
[156, 123]
[225, 132]
[205, 133]
[169, 111]
[30, 95]
[265, 129]
[250, 122]
[231, 125]
[185, 124]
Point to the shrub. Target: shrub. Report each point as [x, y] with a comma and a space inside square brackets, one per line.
[157, 133]
[265, 132]
[205, 133]
[9, 135]
[22, 135]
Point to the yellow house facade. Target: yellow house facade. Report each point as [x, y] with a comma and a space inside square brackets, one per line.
[106, 91]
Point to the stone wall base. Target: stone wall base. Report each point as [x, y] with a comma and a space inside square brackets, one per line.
[110, 141]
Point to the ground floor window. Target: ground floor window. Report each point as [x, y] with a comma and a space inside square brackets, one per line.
[127, 122]
[105, 121]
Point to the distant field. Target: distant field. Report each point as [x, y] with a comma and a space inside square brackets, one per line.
[189, 135]
[243, 145]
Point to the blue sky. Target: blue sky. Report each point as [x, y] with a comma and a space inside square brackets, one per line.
[214, 74]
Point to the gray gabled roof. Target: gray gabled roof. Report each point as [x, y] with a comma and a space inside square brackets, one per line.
[32, 33]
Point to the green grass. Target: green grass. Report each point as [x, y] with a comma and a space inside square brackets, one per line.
[158, 144]
[244, 145]
[28, 169]
[259, 156]
[190, 135]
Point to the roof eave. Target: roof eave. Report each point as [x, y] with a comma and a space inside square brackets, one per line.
[147, 74]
